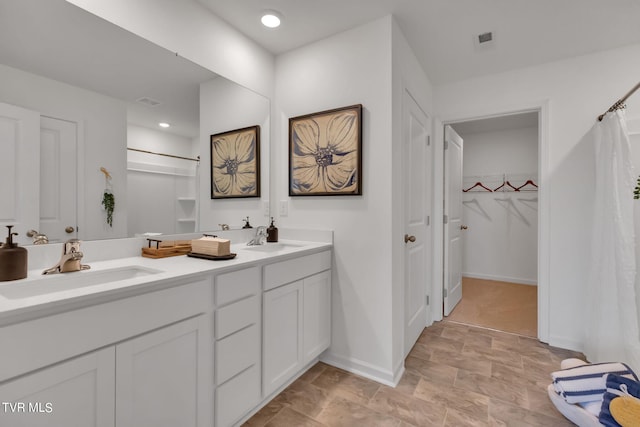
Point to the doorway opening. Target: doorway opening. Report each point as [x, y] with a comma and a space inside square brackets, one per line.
[498, 239]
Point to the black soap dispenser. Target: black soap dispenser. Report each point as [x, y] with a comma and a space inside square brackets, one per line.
[272, 232]
[13, 259]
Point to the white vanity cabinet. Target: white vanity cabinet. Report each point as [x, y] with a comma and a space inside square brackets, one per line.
[78, 392]
[238, 331]
[135, 362]
[297, 313]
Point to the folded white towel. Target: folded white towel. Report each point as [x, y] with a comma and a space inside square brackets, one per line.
[586, 383]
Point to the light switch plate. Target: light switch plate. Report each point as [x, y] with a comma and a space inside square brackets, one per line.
[284, 207]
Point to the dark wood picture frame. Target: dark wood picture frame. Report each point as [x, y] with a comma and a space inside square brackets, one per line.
[325, 153]
[235, 163]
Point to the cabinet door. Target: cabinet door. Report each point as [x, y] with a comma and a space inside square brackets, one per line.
[282, 339]
[161, 375]
[76, 393]
[317, 315]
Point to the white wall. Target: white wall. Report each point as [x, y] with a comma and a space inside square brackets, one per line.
[577, 90]
[501, 242]
[103, 122]
[156, 183]
[195, 33]
[226, 106]
[353, 67]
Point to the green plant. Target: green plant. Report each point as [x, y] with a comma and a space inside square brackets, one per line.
[636, 191]
[109, 202]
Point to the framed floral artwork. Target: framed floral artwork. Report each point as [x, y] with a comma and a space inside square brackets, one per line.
[235, 163]
[325, 153]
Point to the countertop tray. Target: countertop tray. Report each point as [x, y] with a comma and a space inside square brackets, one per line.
[212, 257]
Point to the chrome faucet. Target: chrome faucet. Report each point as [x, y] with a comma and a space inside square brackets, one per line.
[224, 227]
[70, 259]
[260, 237]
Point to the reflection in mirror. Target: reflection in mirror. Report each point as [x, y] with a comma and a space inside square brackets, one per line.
[76, 92]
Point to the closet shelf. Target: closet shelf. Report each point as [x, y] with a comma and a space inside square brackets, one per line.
[186, 220]
[186, 199]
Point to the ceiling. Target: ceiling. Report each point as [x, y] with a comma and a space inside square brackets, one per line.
[443, 33]
[58, 40]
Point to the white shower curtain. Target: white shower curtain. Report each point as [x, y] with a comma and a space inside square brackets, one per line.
[611, 332]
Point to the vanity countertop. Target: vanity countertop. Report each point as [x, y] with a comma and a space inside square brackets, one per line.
[29, 298]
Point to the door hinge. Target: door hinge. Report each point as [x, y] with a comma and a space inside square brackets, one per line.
[446, 144]
[428, 140]
[444, 292]
[428, 220]
[427, 299]
[446, 219]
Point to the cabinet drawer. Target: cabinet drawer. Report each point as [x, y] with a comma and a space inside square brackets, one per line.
[236, 397]
[236, 285]
[281, 273]
[236, 353]
[236, 316]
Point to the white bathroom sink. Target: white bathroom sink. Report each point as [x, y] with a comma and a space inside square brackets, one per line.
[67, 281]
[273, 247]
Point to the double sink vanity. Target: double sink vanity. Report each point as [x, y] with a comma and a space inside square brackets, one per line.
[175, 341]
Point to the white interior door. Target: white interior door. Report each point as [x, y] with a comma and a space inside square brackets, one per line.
[452, 292]
[20, 170]
[58, 183]
[417, 155]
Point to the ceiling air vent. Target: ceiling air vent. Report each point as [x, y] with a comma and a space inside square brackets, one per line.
[149, 102]
[485, 37]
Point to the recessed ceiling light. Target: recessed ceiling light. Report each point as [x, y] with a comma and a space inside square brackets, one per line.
[270, 18]
[164, 125]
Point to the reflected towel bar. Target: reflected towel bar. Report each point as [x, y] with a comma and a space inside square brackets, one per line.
[166, 155]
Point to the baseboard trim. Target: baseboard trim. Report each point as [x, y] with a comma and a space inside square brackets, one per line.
[517, 280]
[364, 369]
[566, 343]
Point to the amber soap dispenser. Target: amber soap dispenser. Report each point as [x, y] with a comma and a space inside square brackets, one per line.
[13, 259]
[272, 232]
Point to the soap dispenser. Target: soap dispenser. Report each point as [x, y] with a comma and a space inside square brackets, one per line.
[13, 259]
[272, 232]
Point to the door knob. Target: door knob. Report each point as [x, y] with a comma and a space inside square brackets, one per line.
[463, 227]
[69, 229]
[408, 238]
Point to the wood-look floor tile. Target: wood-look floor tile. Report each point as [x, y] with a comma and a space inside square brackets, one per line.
[524, 347]
[431, 371]
[478, 340]
[441, 343]
[407, 383]
[421, 351]
[474, 404]
[539, 402]
[508, 391]
[304, 398]
[264, 415]
[457, 418]
[313, 372]
[288, 417]
[483, 353]
[505, 414]
[337, 382]
[519, 375]
[455, 333]
[345, 413]
[407, 408]
[461, 361]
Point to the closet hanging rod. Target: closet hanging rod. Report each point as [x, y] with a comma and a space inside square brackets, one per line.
[620, 102]
[166, 155]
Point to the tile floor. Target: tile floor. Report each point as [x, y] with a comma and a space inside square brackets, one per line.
[456, 375]
[504, 306]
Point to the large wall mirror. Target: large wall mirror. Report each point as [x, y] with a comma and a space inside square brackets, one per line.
[81, 98]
